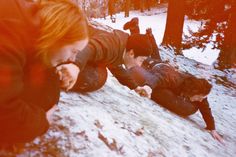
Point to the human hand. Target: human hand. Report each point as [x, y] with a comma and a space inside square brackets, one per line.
[217, 136]
[144, 91]
[141, 91]
[68, 74]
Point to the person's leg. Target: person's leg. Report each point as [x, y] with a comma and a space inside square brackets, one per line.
[92, 78]
[174, 103]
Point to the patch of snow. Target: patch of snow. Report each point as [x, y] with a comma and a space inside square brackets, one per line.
[115, 121]
[156, 19]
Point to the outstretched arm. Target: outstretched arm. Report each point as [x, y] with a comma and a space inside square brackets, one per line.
[123, 76]
[209, 119]
[144, 77]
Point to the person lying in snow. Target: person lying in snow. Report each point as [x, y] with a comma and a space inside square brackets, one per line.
[112, 49]
[179, 92]
[169, 93]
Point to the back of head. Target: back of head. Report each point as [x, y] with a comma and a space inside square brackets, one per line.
[62, 23]
[140, 44]
[195, 86]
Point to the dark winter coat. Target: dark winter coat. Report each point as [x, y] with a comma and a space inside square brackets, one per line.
[27, 87]
[106, 47]
[161, 76]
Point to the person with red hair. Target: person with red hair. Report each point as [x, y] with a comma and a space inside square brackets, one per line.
[36, 37]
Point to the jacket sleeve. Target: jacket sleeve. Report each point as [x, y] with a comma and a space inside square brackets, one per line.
[20, 120]
[144, 77]
[96, 50]
[123, 76]
[103, 46]
[84, 56]
[206, 114]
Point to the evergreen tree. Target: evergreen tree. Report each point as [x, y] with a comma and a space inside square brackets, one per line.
[174, 24]
[217, 29]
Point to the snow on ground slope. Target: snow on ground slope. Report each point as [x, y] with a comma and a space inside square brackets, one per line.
[115, 121]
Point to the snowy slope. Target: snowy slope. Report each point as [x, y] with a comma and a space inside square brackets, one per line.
[156, 19]
[115, 121]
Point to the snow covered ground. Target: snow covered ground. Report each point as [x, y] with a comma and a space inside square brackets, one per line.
[115, 121]
[156, 19]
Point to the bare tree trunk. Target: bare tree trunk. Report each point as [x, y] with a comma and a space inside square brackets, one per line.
[141, 5]
[174, 24]
[148, 4]
[111, 9]
[136, 4]
[127, 7]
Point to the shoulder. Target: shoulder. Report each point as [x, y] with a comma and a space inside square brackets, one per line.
[98, 28]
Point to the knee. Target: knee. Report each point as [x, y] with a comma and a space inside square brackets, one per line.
[91, 80]
[188, 110]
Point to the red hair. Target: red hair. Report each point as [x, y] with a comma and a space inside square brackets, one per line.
[62, 23]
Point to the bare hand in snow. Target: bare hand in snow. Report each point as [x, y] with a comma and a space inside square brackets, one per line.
[144, 91]
[216, 136]
[68, 74]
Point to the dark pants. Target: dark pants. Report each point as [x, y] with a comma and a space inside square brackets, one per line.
[92, 78]
[174, 103]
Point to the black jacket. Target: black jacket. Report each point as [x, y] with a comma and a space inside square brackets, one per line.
[106, 47]
[27, 87]
[163, 76]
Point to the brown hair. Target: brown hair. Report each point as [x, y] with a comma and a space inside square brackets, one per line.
[140, 44]
[62, 23]
[195, 86]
